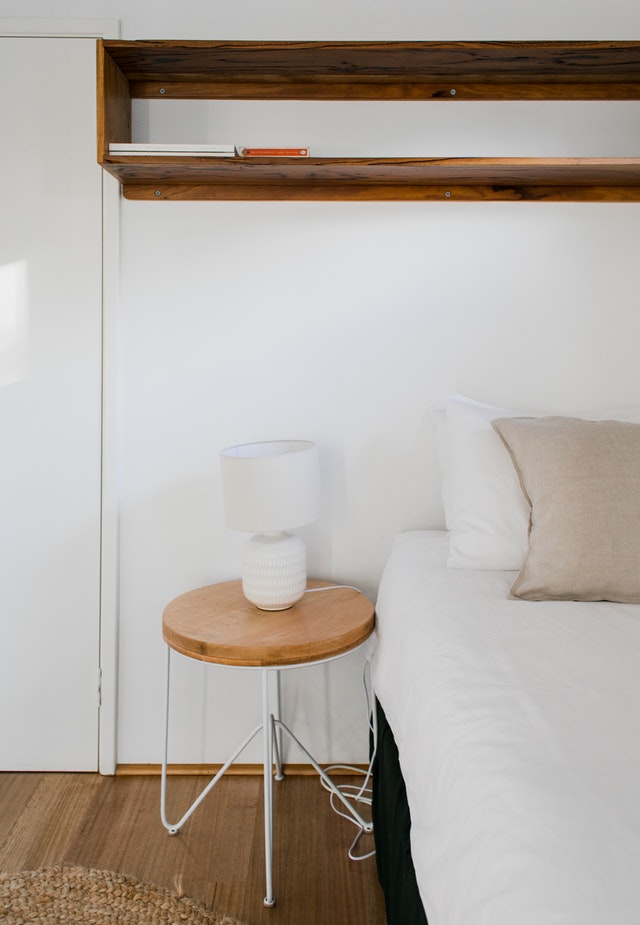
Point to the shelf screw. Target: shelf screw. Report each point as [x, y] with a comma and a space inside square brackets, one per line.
[452, 92]
[447, 194]
[158, 193]
[162, 90]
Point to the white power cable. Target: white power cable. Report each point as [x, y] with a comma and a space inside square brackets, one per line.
[358, 794]
[333, 588]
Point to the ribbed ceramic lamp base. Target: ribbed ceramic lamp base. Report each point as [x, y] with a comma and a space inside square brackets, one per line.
[274, 573]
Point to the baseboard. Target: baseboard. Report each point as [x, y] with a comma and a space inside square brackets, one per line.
[238, 770]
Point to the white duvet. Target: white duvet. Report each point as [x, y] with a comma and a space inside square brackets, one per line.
[518, 729]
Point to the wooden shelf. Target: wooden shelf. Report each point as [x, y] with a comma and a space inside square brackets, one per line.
[560, 179]
[365, 71]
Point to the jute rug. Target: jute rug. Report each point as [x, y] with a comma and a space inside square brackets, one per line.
[80, 896]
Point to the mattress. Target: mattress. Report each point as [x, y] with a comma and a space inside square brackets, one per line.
[518, 732]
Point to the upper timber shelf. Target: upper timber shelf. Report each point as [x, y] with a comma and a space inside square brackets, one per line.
[391, 71]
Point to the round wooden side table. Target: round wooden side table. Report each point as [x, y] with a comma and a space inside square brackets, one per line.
[217, 624]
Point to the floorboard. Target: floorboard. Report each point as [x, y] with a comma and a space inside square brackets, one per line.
[217, 858]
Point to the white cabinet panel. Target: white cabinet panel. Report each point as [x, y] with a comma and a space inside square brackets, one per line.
[50, 405]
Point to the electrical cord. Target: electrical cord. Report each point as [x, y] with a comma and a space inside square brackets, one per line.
[333, 588]
[361, 794]
[357, 794]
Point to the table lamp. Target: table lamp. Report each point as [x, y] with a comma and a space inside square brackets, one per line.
[269, 488]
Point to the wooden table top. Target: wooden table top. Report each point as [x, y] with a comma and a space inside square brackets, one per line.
[218, 624]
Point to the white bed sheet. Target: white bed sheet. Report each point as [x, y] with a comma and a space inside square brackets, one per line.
[518, 730]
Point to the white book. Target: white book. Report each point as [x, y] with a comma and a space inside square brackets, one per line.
[176, 150]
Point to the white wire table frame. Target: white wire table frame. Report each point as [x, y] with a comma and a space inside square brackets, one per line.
[271, 726]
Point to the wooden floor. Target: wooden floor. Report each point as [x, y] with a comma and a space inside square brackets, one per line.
[217, 859]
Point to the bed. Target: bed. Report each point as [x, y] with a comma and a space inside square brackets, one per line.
[507, 778]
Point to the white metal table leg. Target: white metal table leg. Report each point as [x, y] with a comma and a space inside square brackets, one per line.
[272, 728]
[277, 734]
[174, 828]
[348, 805]
[268, 734]
[163, 778]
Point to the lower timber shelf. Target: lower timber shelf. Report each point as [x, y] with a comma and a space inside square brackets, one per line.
[611, 179]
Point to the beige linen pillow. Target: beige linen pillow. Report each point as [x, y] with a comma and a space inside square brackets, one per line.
[582, 482]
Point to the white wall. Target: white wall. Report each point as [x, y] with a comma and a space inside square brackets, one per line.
[350, 19]
[338, 322]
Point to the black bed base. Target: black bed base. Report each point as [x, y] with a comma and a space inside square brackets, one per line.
[391, 826]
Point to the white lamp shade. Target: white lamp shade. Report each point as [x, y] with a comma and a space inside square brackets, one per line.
[273, 485]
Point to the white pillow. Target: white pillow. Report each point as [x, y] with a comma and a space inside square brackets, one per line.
[489, 515]
[486, 512]
[438, 414]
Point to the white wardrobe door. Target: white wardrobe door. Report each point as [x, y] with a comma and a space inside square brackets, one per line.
[50, 405]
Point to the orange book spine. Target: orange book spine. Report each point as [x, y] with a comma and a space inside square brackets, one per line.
[274, 152]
